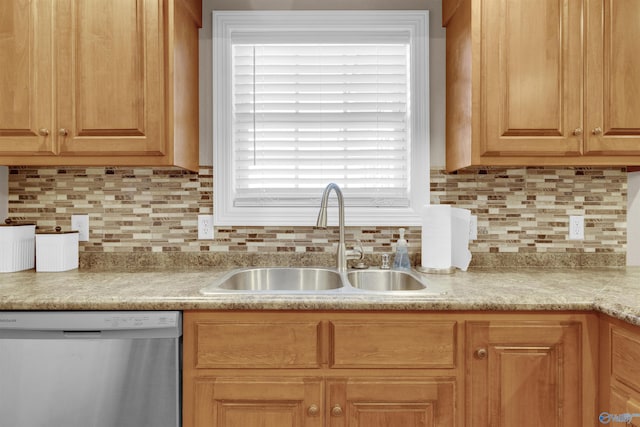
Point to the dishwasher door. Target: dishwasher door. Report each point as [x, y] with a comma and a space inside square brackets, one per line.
[90, 369]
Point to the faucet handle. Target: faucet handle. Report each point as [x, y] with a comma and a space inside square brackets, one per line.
[385, 262]
[356, 253]
[359, 248]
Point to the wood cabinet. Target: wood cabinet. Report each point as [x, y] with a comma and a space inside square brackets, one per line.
[319, 369]
[390, 369]
[99, 83]
[386, 402]
[263, 401]
[530, 372]
[619, 372]
[537, 83]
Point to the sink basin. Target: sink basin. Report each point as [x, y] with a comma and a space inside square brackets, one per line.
[385, 280]
[277, 279]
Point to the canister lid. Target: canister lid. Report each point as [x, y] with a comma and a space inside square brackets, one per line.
[57, 230]
[11, 223]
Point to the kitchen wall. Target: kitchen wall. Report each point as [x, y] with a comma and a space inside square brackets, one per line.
[4, 192]
[633, 219]
[522, 215]
[151, 214]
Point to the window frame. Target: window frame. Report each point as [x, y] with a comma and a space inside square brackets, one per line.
[225, 23]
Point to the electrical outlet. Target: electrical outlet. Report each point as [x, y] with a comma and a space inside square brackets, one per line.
[81, 224]
[205, 227]
[473, 228]
[576, 227]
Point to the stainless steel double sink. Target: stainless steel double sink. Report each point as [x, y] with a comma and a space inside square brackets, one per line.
[308, 280]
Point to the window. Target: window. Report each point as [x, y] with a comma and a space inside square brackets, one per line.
[302, 99]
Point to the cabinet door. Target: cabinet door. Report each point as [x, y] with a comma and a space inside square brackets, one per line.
[390, 403]
[613, 77]
[531, 77]
[26, 73]
[524, 374]
[258, 402]
[110, 76]
[625, 408]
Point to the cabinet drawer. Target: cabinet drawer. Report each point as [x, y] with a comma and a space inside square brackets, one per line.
[625, 353]
[396, 344]
[268, 344]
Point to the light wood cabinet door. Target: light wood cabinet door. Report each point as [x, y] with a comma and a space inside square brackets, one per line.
[99, 83]
[619, 373]
[26, 78]
[543, 83]
[110, 77]
[525, 374]
[531, 78]
[263, 343]
[258, 402]
[385, 402]
[613, 78]
[386, 344]
[624, 408]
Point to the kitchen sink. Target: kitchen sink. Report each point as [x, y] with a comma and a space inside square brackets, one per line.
[319, 280]
[385, 280]
[277, 279]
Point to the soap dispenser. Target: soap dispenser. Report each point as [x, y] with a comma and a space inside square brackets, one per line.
[401, 259]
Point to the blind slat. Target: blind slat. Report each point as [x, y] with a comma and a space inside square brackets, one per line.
[320, 118]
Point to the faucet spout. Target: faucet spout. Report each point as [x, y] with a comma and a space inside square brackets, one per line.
[342, 254]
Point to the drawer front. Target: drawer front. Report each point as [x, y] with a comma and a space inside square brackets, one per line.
[396, 344]
[625, 354]
[268, 344]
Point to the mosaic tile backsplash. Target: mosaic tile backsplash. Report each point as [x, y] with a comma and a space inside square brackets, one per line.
[131, 210]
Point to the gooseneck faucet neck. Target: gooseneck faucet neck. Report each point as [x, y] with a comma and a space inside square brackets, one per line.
[341, 255]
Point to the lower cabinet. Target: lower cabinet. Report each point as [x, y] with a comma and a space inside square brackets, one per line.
[619, 373]
[364, 402]
[624, 407]
[312, 402]
[390, 369]
[266, 369]
[263, 402]
[524, 373]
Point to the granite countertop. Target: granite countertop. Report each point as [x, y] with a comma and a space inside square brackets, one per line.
[613, 291]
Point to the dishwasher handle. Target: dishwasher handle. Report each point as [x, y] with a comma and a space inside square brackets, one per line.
[26, 334]
[82, 334]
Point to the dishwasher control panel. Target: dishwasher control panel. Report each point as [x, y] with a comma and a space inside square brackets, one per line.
[89, 320]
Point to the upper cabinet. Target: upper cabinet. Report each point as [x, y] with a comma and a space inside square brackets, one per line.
[94, 82]
[542, 82]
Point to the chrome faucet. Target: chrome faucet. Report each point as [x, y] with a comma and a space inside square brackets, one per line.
[342, 254]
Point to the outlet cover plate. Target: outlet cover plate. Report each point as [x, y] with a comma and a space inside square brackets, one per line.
[205, 227]
[81, 224]
[576, 227]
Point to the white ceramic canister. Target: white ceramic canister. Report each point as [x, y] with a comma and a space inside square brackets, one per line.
[56, 250]
[17, 246]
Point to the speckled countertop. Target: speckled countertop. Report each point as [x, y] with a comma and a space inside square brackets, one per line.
[614, 291]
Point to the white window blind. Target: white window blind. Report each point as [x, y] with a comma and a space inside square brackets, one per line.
[307, 114]
[304, 98]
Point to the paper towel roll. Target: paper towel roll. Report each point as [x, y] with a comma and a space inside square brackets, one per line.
[445, 237]
[436, 237]
[460, 222]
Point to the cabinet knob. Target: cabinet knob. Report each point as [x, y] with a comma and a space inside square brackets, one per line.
[577, 131]
[63, 132]
[481, 353]
[336, 411]
[313, 410]
[43, 132]
[597, 131]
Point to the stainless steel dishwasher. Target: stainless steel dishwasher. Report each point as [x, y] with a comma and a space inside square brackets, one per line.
[90, 369]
